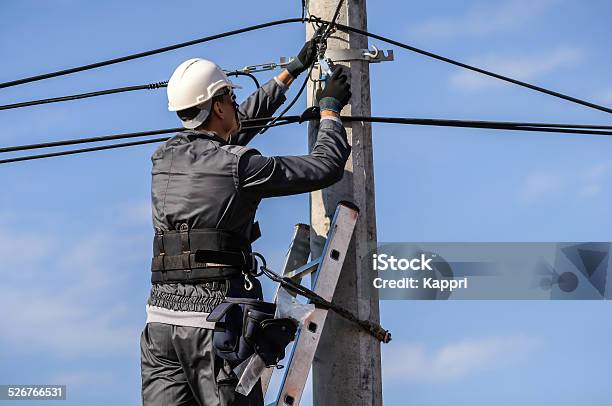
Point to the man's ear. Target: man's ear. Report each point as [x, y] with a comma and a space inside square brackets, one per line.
[217, 109]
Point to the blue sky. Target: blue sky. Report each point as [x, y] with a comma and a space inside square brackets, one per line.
[75, 231]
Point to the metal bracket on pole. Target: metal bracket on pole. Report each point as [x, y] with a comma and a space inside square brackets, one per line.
[347, 55]
[327, 272]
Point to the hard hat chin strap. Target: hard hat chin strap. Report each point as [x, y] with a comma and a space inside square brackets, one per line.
[237, 117]
[229, 139]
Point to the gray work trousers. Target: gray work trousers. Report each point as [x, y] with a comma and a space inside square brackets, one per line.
[179, 368]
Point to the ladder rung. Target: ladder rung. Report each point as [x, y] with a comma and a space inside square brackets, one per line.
[304, 270]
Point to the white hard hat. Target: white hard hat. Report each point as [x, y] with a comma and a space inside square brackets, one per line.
[193, 83]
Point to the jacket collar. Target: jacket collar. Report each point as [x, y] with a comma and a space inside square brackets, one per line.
[205, 134]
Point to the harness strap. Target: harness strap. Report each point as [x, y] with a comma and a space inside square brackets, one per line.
[195, 275]
[158, 260]
[205, 259]
[199, 254]
[185, 257]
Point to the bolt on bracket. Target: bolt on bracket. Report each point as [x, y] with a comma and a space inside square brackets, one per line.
[347, 55]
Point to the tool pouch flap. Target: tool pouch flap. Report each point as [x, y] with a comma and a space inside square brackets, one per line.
[238, 320]
[273, 336]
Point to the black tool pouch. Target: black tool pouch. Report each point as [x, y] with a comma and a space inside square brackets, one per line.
[238, 321]
[244, 326]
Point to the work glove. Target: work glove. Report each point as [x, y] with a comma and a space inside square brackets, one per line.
[304, 59]
[337, 91]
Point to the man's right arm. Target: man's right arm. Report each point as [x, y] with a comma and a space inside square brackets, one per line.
[287, 175]
[324, 166]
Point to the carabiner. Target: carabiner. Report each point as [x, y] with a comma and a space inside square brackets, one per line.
[248, 285]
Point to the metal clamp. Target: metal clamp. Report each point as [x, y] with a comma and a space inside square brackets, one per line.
[347, 55]
[283, 61]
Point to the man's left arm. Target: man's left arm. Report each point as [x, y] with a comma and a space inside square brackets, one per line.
[268, 98]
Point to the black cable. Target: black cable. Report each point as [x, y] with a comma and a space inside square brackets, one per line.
[103, 147]
[88, 140]
[240, 73]
[475, 69]
[324, 37]
[149, 86]
[364, 119]
[493, 125]
[301, 90]
[295, 99]
[148, 53]
[303, 19]
[261, 122]
[470, 67]
[294, 20]
[80, 151]
[252, 123]
[332, 25]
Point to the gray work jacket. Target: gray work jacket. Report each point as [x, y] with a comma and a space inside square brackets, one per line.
[206, 182]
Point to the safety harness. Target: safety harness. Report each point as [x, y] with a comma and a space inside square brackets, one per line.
[201, 254]
[244, 326]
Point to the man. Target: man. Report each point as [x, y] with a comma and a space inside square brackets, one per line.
[206, 186]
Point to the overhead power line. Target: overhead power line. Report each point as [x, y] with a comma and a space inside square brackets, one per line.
[302, 20]
[585, 129]
[83, 150]
[149, 86]
[88, 140]
[471, 67]
[251, 123]
[493, 125]
[106, 147]
[148, 53]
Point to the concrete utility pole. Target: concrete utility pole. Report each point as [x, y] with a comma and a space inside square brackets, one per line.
[347, 368]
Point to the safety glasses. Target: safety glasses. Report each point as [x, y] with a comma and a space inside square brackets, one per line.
[227, 91]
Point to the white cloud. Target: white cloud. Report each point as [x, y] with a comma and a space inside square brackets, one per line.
[64, 296]
[23, 127]
[98, 259]
[136, 213]
[604, 96]
[414, 362]
[49, 322]
[14, 243]
[540, 185]
[483, 19]
[521, 68]
[83, 377]
[586, 183]
[592, 180]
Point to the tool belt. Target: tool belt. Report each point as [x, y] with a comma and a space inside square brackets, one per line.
[245, 326]
[200, 254]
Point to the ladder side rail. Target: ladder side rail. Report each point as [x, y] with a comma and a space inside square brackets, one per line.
[326, 278]
[297, 256]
